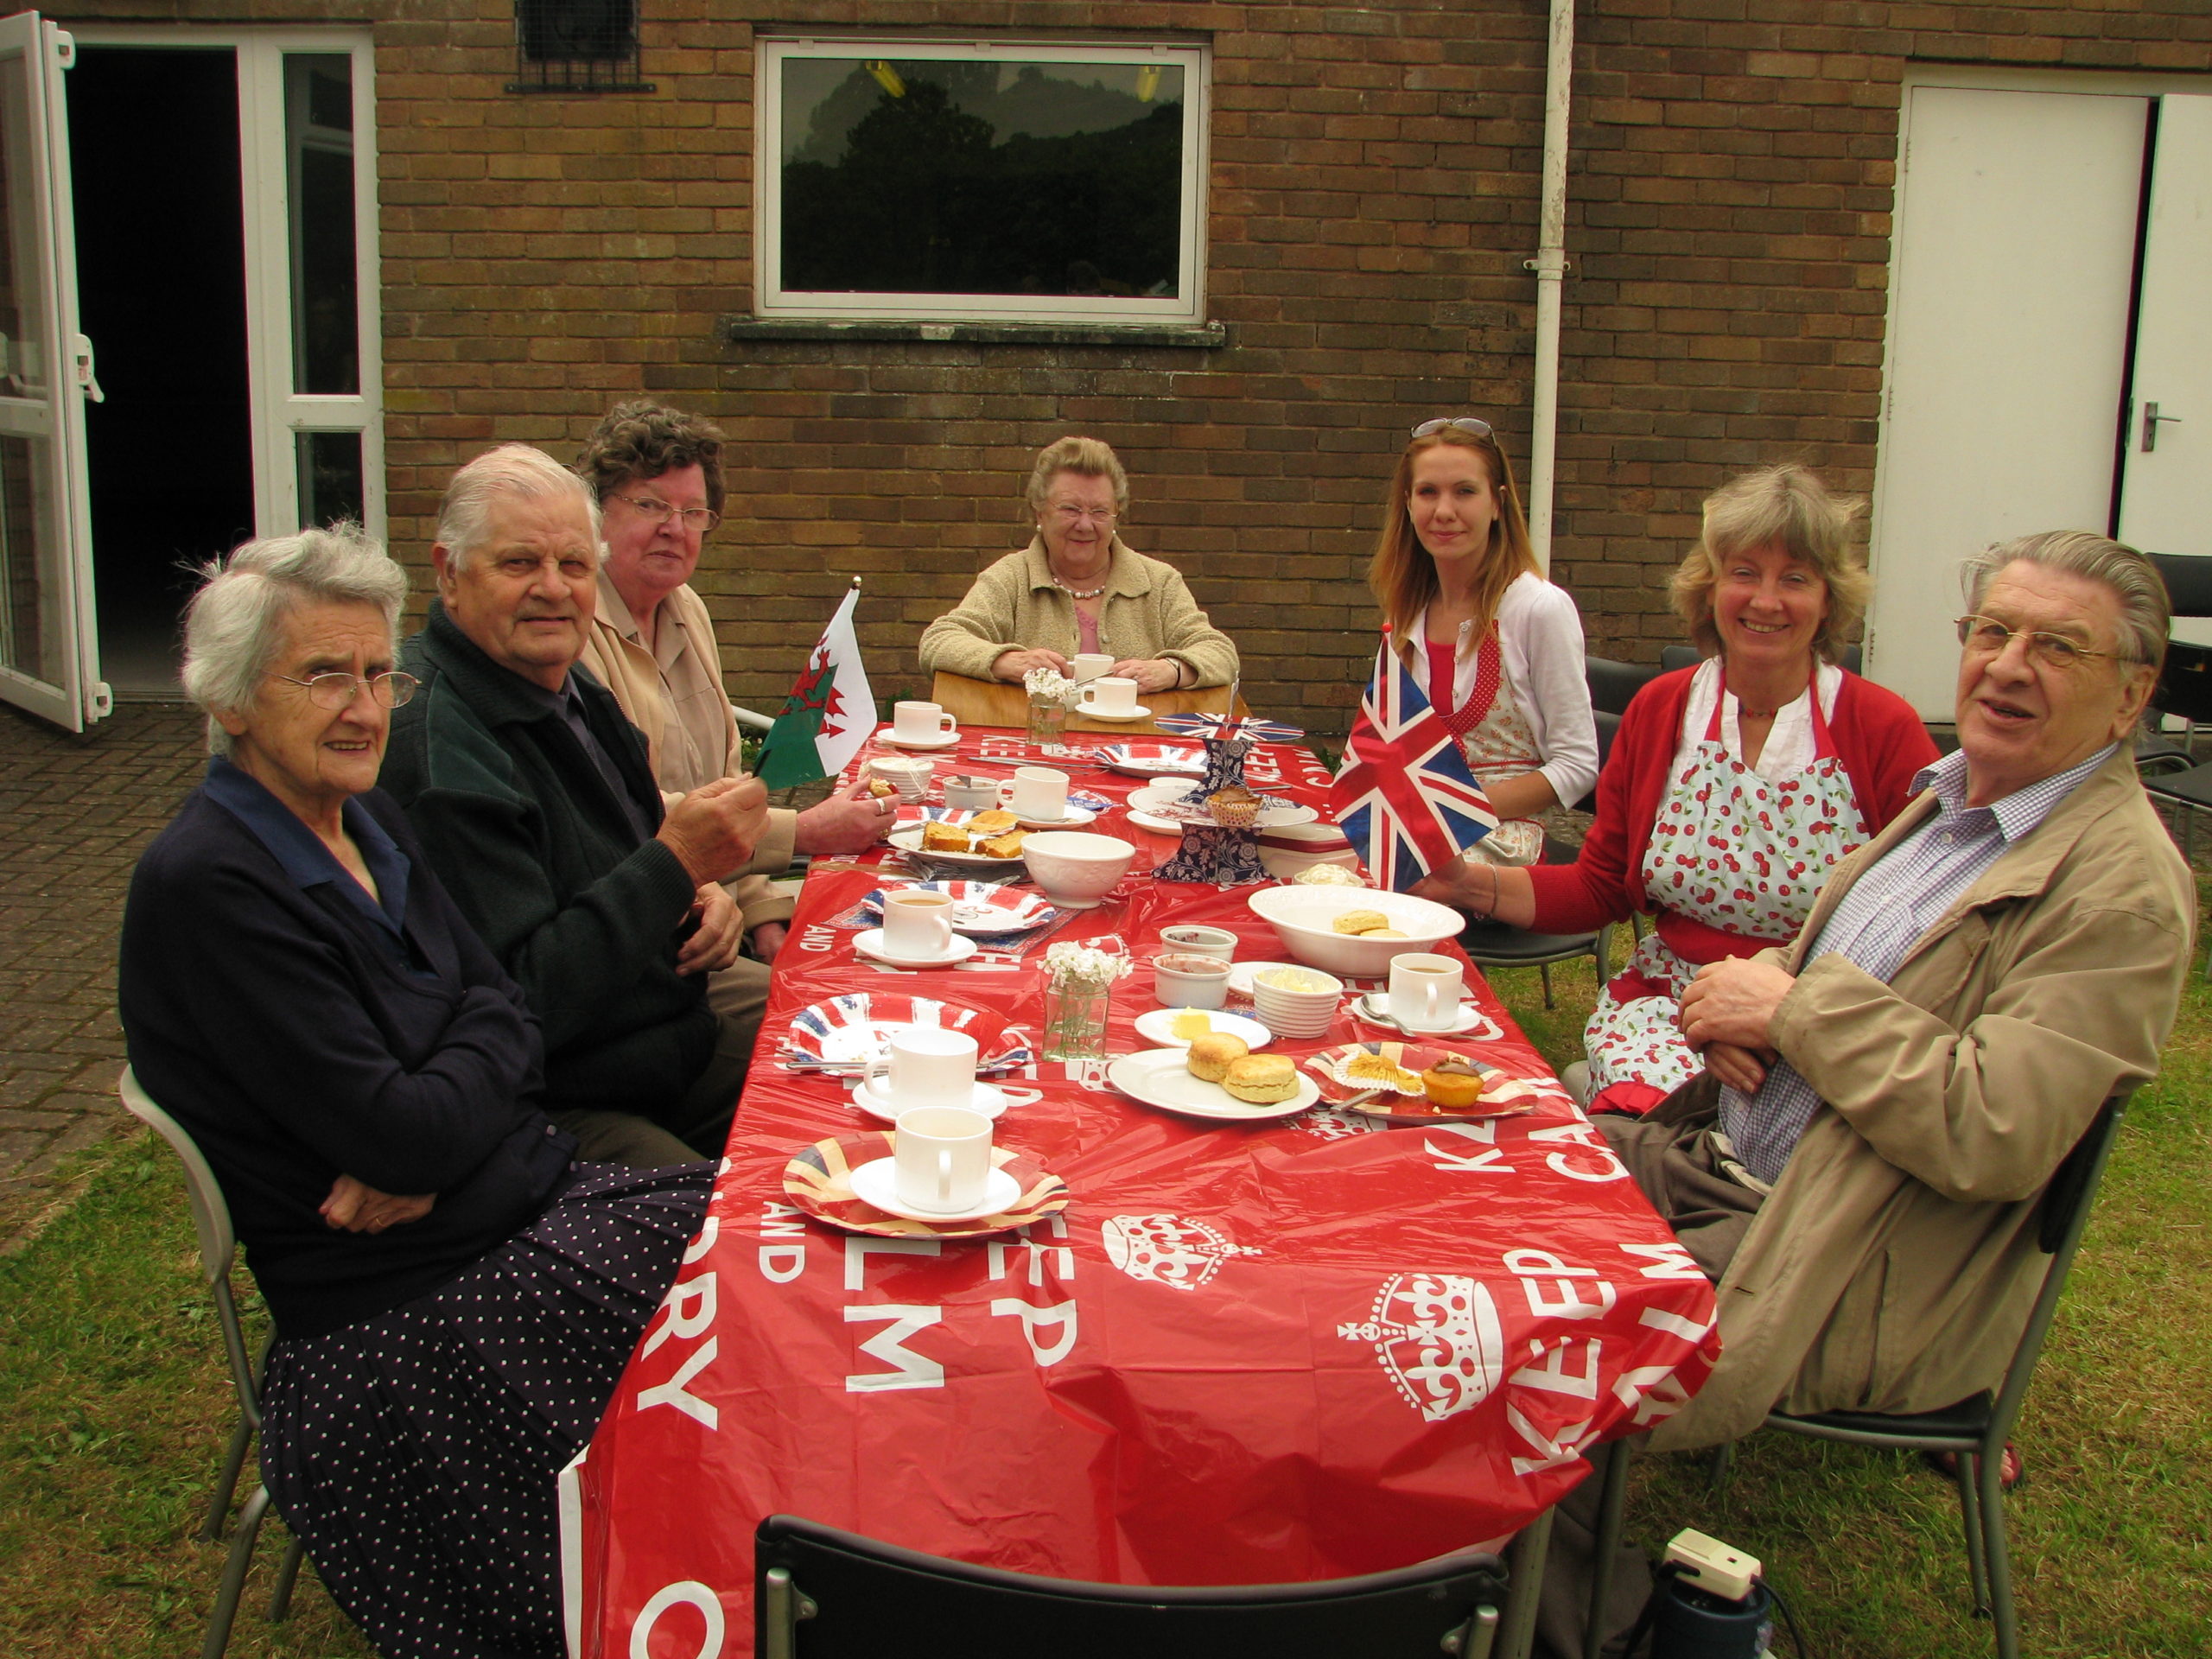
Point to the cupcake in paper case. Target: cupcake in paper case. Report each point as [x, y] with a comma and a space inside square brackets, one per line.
[1234, 808]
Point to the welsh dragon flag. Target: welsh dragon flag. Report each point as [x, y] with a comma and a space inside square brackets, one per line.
[1405, 796]
[829, 713]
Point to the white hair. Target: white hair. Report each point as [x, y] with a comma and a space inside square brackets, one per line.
[515, 469]
[230, 627]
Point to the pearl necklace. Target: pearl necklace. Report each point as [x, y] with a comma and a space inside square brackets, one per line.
[1075, 593]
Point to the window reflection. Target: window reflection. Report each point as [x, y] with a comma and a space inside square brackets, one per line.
[330, 477]
[319, 150]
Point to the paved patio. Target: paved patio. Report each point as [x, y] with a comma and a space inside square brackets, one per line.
[75, 813]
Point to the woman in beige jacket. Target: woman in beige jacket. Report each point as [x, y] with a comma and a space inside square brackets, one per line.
[1079, 589]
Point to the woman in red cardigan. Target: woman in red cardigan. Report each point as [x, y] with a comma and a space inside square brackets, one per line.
[1733, 788]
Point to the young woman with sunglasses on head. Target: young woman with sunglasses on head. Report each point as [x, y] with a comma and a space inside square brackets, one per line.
[1497, 649]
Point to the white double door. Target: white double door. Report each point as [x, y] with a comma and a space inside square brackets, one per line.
[2050, 344]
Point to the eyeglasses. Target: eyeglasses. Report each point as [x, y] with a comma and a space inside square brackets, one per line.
[699, 521]
[1465, 423]
[334, 691]
[1985, 636]
[1073, 516]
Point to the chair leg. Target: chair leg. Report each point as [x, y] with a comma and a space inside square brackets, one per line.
[1990, 1479]
[1545, 968]
[1975, 1522]
[288, 1575]
[226, 1484]
[234, 1572]
[1717, 1473]
[1524, 1561]
[1612, 1513]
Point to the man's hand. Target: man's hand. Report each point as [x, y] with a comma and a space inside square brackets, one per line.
[1011, 665]
[768, 939]
[1733, 1001]
[1151, 673]
[353, 1207]
[1738, 1068]
[713, 829]
[851, 821]
[713, 945]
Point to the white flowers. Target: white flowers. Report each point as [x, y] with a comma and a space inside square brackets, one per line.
[1069, 963]
[1047, 683]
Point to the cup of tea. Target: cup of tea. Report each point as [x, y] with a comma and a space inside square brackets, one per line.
[924, 1065]
[1037, 792]
[1111, 694]
[917, 925]
[1088, 665]
[942, 1157]
[921, 723]
[1424, 991]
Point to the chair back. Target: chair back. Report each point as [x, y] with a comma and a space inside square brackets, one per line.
[823, 1593]
[2184, 688]
[2188, 583]
[1611, 683]
[211, 1215]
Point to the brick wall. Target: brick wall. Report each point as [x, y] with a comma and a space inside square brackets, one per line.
[1373, 197]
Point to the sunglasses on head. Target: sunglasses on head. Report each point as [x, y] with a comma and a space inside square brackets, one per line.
[1464, 423]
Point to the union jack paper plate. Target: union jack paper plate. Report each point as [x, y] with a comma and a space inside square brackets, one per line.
[1383, 1079]
[981, 906]
[1201, 725]
[840, 1036]
[1153, 759]
[819, 1180]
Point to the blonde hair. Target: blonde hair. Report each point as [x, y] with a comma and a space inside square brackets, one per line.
[1403, 576]
[1785, 507]
[1086, 458]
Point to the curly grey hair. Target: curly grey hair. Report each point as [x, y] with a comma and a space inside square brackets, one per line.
[465, 515]
[233, 624]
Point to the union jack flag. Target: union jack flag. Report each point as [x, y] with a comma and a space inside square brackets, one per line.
[1405, 796]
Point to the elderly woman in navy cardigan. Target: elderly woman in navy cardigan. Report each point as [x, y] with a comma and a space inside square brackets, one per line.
[454, 1298]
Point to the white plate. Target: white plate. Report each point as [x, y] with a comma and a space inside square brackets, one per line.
[1158, 1027]
[877, 1184]
[1374, 1007]
[1159, 1077]
[947, 741]
[909, 841]
[1158, 826]
[1076, 818]
[1158, 800]
[988, 1099]
[1137, 712]
[870, 943]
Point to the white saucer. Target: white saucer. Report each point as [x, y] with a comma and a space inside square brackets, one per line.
[870, 943]
[1075, 817]
[1158, 826]
[1374, 1007]
[876, 1184]
[944, 740]
[1140, 712]
[987, 1098]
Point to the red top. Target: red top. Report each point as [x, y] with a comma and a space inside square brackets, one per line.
[1443, 672]
[1877, 735]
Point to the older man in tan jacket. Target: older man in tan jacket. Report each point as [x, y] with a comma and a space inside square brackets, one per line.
[1887, 1098]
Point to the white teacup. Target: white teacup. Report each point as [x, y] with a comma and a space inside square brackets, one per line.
[1088, 665]
[1037, 793]
[1424, 991]
[942, 1157]
[917, 925]
[1195, 941]
[925, 1066]
[921, 723]
[1182, 981]
[1113, 695]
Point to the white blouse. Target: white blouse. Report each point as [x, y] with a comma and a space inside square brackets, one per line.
[1789, 749]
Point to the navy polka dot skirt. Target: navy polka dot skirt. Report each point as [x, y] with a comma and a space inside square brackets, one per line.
[415, 1453]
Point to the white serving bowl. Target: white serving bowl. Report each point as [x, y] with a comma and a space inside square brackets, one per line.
[1075, 868]
[1301, 916]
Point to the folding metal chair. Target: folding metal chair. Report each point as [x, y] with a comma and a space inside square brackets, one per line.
[1975, 1429]
[822, 1593]
[210, 1220]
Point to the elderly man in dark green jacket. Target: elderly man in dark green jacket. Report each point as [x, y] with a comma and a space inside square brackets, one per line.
[535, 803]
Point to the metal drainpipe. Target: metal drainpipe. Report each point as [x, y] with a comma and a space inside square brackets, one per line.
[1550, 266]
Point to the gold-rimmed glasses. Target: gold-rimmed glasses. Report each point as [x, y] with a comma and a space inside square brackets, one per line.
[699, 521]
[337, 690]
[1985, 636]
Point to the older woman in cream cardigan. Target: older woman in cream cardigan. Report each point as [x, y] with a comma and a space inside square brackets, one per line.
[1079, 589]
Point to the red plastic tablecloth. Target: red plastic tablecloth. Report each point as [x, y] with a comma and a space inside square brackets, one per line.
[1348, 1347]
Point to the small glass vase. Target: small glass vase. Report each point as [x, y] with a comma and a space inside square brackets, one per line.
[1048, 723]
[1075, 1019]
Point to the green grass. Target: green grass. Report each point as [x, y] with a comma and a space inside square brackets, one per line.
[115, 1405]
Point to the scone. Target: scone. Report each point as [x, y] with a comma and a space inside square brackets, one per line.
[1262, 1079]
[1384, 933]
[997, 821]
[943, 837]
[1210, 1057]
[1360, 921]
[1006, 846]
[1453, 1082]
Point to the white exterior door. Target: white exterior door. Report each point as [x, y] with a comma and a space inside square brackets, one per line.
[49, 660]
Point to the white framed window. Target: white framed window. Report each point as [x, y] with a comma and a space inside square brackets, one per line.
[1014, 181]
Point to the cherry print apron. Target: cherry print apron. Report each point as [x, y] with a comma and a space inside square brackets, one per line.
[1496, 738]
[1732, 866]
